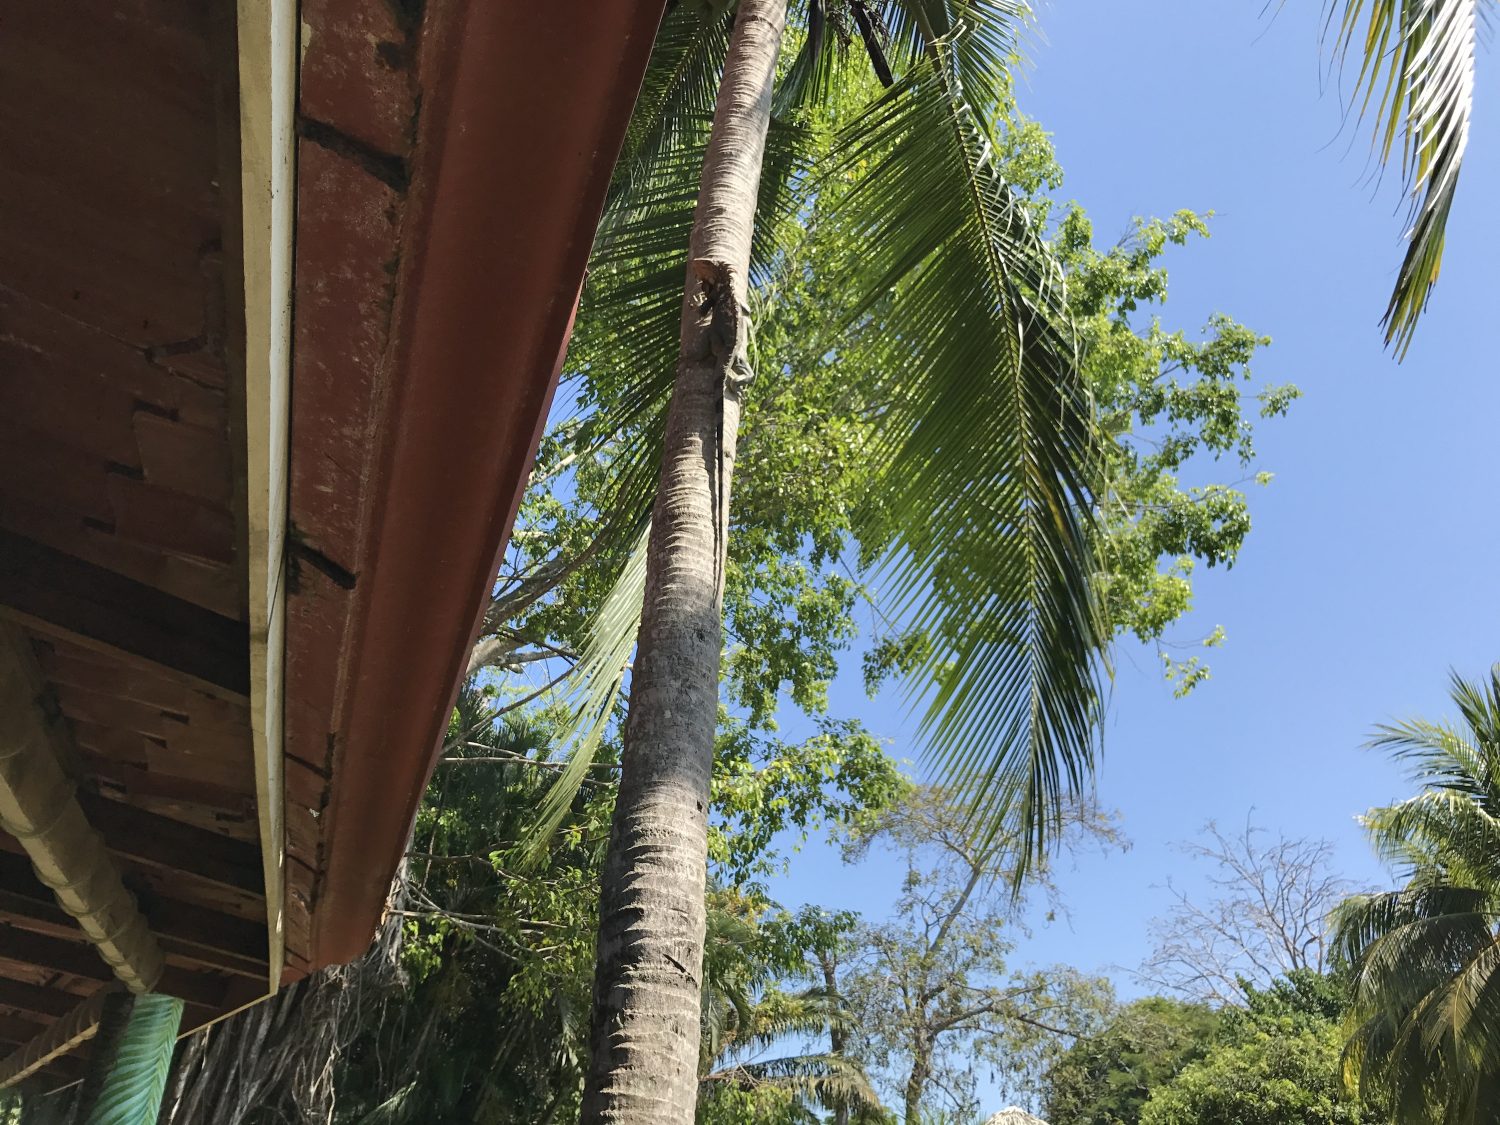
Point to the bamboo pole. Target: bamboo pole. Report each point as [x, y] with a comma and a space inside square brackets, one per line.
[39, 808]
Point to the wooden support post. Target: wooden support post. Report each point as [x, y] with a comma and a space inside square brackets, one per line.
[39, 807]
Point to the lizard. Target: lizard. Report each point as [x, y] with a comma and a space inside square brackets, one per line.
[726, 335]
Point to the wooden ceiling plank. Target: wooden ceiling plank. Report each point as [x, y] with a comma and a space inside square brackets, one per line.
[58, 594]
[148, 784]
[79, 960]
[22, 996]
[14, 1029]
[52, 953]
[173, 844]
[209, 931]
[209, 877]
[204, 936]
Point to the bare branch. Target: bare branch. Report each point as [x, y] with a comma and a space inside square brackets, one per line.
[1265, 915]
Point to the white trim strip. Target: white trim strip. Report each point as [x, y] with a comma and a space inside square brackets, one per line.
[268, 103]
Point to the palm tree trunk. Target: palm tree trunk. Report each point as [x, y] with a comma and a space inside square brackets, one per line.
[838, 1038]
[645, 1031]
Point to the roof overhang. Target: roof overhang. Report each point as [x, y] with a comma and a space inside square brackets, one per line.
[284, 292]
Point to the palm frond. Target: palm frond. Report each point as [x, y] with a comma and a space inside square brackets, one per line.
[830, 1081]
[1440, 828]
[979, 531]
[813, 73]
[1437, 754]
[1416, 78]
[987, 441]
[677, 93]
[597, 680]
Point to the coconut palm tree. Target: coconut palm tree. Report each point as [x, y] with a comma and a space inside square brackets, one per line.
[1416, 78]
[740, 1030]
[987, 439]
[1426, 1012]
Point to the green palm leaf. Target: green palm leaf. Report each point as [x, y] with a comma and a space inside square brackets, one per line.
[677, 92]
[597, 680]
[133, 1091]
[1416, 77]
[831, 1081]
[987, 440]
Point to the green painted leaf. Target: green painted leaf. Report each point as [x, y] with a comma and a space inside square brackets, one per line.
[132, 1093]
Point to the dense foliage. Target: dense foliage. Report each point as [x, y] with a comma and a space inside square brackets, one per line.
[1105, 1079]
[490, 1024]
[1274, 1062]
[1272, 1059]
[503, 916]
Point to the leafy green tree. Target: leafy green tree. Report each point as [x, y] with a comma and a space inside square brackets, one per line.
[1265, 1078]
[945, 359]
[934, 994]
[980, 296]
[1277, 1061]
[490, 1023]
[1105, 1079]
[1426, 1013]
[1416, 75]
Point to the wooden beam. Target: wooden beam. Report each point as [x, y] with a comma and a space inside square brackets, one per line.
[14, 1029]
[209, 931]
[151, 854]
[138, 782]
[53, 953]
[76, 959]
[61, 595]
[23, 996]
[204, 936]
[163, 842]
[38, 806]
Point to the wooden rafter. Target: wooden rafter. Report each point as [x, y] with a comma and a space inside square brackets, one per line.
[15, 1030]
[159, 843]
[60, 595]
[56, 954]
[205, 937]
[38, 807]
[172, 845]
[23, 996]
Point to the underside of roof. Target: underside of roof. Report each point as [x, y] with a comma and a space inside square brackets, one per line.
[283, 294]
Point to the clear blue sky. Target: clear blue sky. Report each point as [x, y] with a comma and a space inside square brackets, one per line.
[1371, 567]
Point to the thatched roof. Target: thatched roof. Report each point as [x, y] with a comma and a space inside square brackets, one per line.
[1014, 1115]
